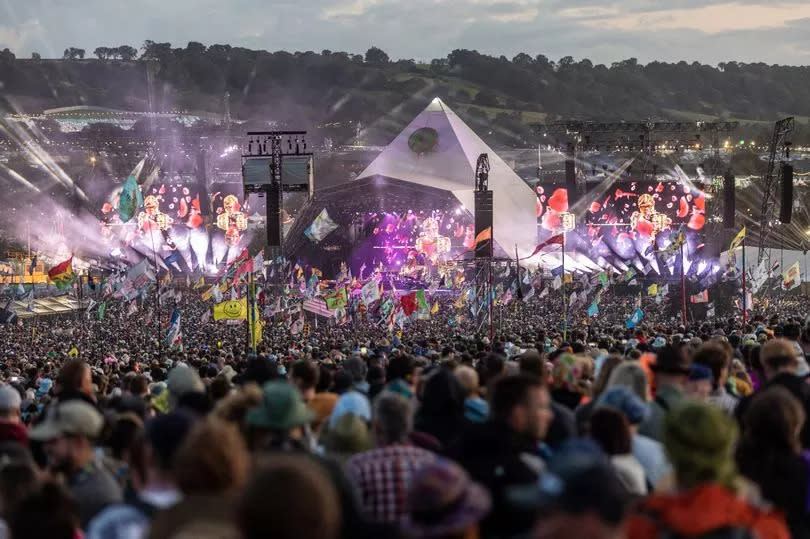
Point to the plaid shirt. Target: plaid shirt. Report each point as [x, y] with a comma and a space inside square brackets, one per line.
[383, 475]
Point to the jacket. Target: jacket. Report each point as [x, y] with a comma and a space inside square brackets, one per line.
[667, 398]
[499, 458]
[708, 509]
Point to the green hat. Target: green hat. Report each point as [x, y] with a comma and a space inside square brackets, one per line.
[699, 439]
[282, 408]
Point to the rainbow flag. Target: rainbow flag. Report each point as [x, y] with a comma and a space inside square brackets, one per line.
[62, 273]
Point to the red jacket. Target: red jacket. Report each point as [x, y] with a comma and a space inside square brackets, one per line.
[701, 510]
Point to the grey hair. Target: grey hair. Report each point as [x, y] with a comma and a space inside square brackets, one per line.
[393, 417]
[631, 375]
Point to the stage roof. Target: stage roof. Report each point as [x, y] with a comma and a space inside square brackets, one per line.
[438, 150]
[46, 306]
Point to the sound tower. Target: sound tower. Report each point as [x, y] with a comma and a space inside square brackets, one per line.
[483, 220]
[571, 181]
[273, 215]
[729, 200]
[786, 206]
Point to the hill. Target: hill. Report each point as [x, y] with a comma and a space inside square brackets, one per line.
[338, 89]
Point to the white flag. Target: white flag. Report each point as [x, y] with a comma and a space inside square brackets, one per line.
[557, 283]
[544, 293]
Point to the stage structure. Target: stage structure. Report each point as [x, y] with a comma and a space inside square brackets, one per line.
[484, 240]
[410, 213]
[779, 149]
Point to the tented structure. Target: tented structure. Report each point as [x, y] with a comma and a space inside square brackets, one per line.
[438, 150]
[46, 306]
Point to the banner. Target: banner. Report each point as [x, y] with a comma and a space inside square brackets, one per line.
[321, 227]
[635, 318]
[370, 292]
[701, 297]
[131, 197]
[336, 299]
[792, 277]
[174, 336]
[231, 310]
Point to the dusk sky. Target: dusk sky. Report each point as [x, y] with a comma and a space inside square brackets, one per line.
[703, 30]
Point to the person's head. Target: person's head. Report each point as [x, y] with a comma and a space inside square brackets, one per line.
[139, 386]
[152, 457]
[468, 379]
[308, 502]
[573, 373]
[671, 366]
[444, 503]
[531, 362]
[48, 511]
[628, 403]
[774, 419]
[126, 429]
[393, 418]
[67, 433]
[182, 381]
[699, 439]
[631, 375]
[608, 366]
[282, 413]
[522, 402]
[213, 459]
[304, 375]
[717, 356]
[610, 429]
[777, 356]
[10, 402]
[700, 383]
[401, 367]
[356, 368]
[17, 479]
[75, 377]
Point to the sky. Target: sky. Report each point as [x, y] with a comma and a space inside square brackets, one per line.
[707, 31]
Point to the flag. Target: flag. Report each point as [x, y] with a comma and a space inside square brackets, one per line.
[73, 352]
[90, 305]
[33, 265]
[553, 240]
[544, 293]
[62, 273]
[635, 318]
[206, 316]
[603, 279]
[568, 278]
[337, 299]
[593, 309]
[370, 292]
[408, 303]
[421, 300]
[435, 308]
[133, 308]
[131, 198]
[200, 284]
[483, 236]
[652, 290]
[530, 294]
[102, 308]
[792, 277]
[572, 299]
[629, 274]
[321, 227]
[664, 290]
[231, 310]
[738, 239]
[174, 336]
[297, 326]
[557, 283]
[700, 297]
[710, 311]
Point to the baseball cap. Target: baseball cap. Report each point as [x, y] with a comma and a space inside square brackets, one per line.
[73, 417]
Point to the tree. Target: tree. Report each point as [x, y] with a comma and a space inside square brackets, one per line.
[102, 53]
[195, 47]
[127, 53]
[7, 57]
[73, 53]
[36, 56]
[486, 99]
[376, 56]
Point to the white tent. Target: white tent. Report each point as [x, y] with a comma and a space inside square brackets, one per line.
[439, 150]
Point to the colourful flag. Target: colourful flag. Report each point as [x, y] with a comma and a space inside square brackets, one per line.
[337, 299]
[102, 308]
[635, 318]
[738, 239]
[370, 292]
[603, 279]
[483, 236]
[200, 284]
[408, 303]
[435, 308]
[62, 273]
[231, 310]
[593, 309]
[792, 277]
[131, 197]
[701, 297]
[553, 240]
[421, 300]
[321, 227]
[174, 335]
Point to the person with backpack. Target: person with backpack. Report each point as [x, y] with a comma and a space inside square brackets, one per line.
[708, 500]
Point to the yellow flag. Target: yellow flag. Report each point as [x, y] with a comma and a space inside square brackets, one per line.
[200, 283]
[738, 239]
[568, 278]
[235, 309]
[257, 328]
[652, 290]
[73, 352]
[435, 308]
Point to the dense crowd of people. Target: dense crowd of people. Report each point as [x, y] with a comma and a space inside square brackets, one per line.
[435, 430]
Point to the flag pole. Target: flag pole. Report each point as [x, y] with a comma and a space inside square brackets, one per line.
[744, 289]
[251, 314]
[683, 288]
[565, 300]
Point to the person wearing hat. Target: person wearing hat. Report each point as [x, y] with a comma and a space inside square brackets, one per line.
[700, 440]
[11, 429]
[671, 373]
[280, 420]
[444, 503]
[182, 380]
[68, 433]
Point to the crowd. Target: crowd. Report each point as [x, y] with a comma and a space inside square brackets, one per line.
[350, 431]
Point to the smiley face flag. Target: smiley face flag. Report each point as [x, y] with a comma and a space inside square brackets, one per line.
[231, 310]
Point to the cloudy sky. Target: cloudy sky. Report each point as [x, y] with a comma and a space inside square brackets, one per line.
[708, 31]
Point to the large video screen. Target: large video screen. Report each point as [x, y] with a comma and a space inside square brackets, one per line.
[630, 221]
